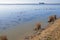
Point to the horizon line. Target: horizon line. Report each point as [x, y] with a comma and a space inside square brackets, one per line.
[29, 3]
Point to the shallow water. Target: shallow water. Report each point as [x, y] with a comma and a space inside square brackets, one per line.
[18, 20]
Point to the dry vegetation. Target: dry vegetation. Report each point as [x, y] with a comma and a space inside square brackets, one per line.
[51, 32]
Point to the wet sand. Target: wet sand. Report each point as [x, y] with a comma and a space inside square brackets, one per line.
[20, 31]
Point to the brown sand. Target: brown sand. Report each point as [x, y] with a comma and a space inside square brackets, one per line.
[50, 33]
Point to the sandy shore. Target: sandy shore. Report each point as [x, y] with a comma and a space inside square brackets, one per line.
[19, 32]
[22, 30]
[50, 33]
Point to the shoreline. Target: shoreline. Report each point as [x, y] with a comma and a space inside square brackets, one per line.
[34, 4]
[52, 32]
[20, 33]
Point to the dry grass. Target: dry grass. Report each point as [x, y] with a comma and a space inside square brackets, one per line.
[50, 33]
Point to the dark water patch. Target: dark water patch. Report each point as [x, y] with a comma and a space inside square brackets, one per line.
[19, 19]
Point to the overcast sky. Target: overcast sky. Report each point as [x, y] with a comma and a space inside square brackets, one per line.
[29, 1]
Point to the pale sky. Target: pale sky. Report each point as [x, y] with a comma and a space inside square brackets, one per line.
[29, 1]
